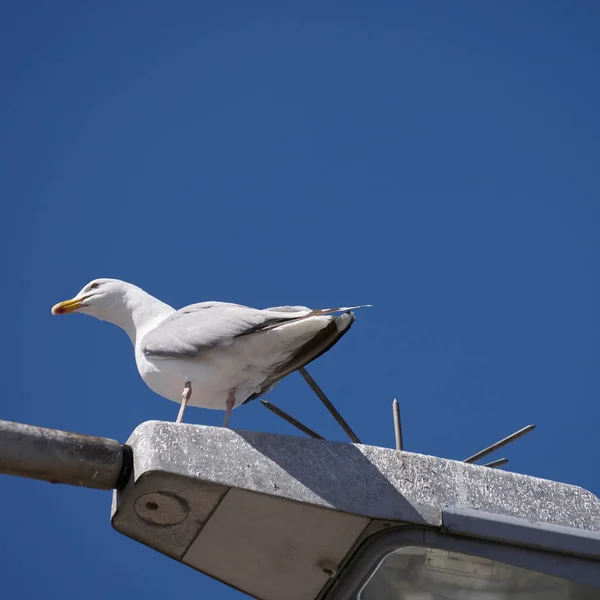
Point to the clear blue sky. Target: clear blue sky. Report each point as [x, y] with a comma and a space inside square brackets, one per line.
[438, 160]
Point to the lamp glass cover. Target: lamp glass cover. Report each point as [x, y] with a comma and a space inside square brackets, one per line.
[419, 573]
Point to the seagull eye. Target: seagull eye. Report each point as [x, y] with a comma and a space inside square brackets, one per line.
[94, 286]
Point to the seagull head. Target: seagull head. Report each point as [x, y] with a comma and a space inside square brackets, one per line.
[99, 298]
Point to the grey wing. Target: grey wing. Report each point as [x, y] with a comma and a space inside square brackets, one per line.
[199, 327]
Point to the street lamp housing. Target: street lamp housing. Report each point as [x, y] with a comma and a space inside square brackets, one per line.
[289, 518]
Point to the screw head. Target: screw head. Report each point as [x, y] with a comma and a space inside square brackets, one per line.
[161, 508]
[328, 567]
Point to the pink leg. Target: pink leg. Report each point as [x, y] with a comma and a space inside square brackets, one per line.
[185, 396]
[229, 407]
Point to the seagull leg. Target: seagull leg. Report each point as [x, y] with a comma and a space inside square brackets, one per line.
[229, 407]
[185, 396]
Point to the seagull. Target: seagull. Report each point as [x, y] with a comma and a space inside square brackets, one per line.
[214, 355]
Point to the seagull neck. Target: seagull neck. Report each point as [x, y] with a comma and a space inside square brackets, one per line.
[143, 312]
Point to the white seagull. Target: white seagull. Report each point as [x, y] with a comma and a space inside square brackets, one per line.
[212, 354]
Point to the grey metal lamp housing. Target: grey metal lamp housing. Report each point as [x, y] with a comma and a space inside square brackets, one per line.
[288, 518]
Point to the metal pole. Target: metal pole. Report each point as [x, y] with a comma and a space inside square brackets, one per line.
[291, 420]
[62, 457]
[397, 425]
[500, 444]
[328, 405]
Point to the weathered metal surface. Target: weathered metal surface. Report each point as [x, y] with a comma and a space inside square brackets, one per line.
[379, 483]
[61, 457]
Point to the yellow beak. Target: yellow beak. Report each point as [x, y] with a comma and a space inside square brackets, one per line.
[62, 308]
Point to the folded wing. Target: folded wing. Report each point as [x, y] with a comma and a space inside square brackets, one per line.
[206, 325]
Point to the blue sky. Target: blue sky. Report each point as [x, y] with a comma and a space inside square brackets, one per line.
[438, 160]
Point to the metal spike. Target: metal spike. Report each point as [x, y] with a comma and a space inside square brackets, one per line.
[397, 425]
[500, 444]
[291, 420]
[328, 405]
[496, 463]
